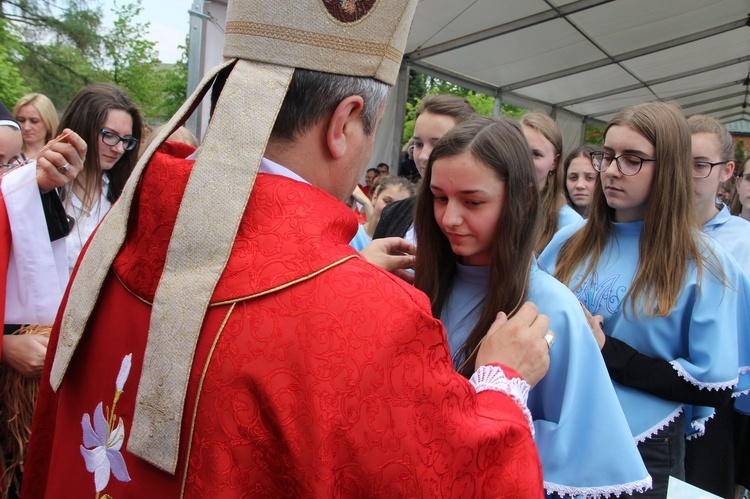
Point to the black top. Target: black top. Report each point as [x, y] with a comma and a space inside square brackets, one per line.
[656, 376]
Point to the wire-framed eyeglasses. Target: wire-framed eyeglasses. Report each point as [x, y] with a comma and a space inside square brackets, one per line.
[112, 139]
[702, 169]
[628, 164]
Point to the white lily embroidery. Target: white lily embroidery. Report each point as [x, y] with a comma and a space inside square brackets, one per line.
[101, 449]
[103, 440]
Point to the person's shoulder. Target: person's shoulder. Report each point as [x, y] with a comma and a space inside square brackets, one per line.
[376, 281]
[548, 257]
[548, 292]
[569, 216]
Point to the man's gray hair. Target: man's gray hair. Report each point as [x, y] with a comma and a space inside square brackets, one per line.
[312, 97]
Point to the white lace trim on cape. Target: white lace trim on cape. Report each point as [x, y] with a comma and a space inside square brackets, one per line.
[494, 378]
[658, 426]
[708, 386]
[594, 492]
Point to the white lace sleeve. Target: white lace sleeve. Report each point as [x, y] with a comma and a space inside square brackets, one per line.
[494, 378]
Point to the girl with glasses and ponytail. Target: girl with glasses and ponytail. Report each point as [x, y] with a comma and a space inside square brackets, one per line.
[111, 124]
[665, 302]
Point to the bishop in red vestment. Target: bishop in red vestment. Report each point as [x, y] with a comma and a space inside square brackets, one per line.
[316, 374]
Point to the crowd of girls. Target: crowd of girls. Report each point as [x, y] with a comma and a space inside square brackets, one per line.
[649, 346]
[669, 304]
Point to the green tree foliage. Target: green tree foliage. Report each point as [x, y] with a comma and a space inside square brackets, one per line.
[175, 85]
[59, 46]
[131, 59]
[594, 135]
[739, 150]
[12, 86]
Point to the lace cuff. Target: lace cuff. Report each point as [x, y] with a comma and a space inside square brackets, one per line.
[494, 378]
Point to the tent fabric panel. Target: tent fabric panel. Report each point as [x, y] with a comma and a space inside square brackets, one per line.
[704, 80]
[723, 47]
[440, 21]
[519, 56]
[612, 103]
[626, 25]
[580, 85]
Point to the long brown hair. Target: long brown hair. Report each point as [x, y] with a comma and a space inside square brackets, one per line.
[670, 227]
[86, 115]
[552, 194]
[501, 145]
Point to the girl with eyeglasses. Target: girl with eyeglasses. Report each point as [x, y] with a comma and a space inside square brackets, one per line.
[709, 461]
[741, 201]
[664, 301]
[111, 124]
[478, 211]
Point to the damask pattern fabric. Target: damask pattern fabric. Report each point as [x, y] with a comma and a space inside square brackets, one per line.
[315, 375]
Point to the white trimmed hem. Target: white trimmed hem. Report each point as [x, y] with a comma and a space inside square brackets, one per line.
[658, 426]
[594, 492]
[700, 384]
[494, 378]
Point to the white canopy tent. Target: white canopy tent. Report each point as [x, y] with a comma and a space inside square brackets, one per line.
[580, 60]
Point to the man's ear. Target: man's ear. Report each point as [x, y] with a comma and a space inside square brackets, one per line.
[346, 118]
[727, 171]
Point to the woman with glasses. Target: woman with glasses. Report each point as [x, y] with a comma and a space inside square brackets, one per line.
[665, 308]
[709, 461]
[111, 124]
[741, 200]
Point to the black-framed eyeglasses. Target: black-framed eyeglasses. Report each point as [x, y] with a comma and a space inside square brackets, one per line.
[702, 169]
[112, 139]
[628, 164]
[743, 178]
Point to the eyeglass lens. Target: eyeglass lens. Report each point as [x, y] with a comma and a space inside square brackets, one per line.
[626, 163]
[112, 139]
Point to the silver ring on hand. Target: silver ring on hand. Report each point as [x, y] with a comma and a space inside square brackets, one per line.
[550, 339]
[64, 169]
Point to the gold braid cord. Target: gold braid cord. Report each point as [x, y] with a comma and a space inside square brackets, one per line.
[17, 399]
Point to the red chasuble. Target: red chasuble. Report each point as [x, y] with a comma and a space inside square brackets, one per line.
[316, 374]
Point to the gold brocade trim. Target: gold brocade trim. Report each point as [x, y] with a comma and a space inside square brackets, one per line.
[249, 297]
[283, 286]
[198, 397]
[302, 37]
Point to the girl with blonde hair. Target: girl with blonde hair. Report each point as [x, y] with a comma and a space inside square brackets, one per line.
[668, 301]
[37, 118]
[546, 143]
